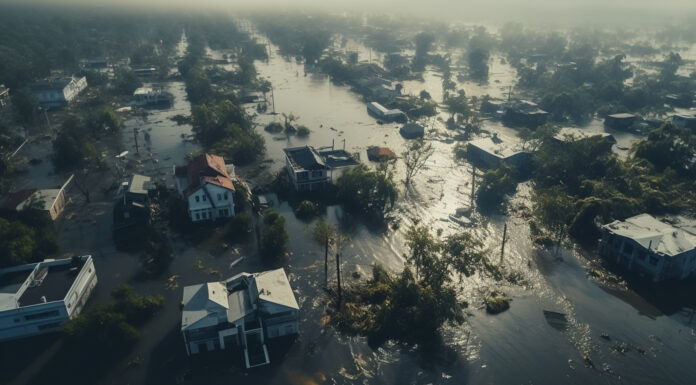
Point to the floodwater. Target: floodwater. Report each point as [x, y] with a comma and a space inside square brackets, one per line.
[517, 346]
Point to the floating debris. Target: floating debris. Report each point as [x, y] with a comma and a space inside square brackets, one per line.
[171, 283]
[496, 303]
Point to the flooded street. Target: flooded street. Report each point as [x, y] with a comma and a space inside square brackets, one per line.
[517, 346]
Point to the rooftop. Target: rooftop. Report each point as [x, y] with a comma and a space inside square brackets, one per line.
[305, 158]
[205, 168]
[657, 235]
[499, 146]
[23, 198]
[140, 184]
[50, 279]
[622, 116]
[54, 83]
[566, 134]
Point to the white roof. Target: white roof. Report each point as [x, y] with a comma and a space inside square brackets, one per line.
[273, 286]
[502, 147]
[47, 197]
[661, 237]
[144, 91]
[572, 133]
[201, 301]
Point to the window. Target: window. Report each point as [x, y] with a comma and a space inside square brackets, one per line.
[316, 174]
[653, 261]
[45, 314]
[204, 215]
[627, 248]
[301, 176]
[198, 216]
[198, 199]
[641, 255]
[219, 197]
[225, 196]
[204, 198]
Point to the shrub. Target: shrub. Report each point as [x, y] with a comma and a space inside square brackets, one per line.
[274, 127]
[239, 227]
[302, 131]
[306, 210]
[274, 237]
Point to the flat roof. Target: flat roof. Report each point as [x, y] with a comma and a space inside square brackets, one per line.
[306, 158]
[338, 158]
[499, 146]
[572, 133]
[657, 235]
[51, 279]
[139, 184]
[622, 115]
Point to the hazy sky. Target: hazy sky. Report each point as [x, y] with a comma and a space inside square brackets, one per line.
[542, 10]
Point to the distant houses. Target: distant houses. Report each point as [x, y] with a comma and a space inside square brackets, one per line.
[40, 297]
[622, 121]
[57, 91]
[380, 112]
[241, 312]
[309, 169]
[412, 130]
[491, 152]
[685, 120]
[152, 96]
[50, 201]
[206, 185]
[655, 248]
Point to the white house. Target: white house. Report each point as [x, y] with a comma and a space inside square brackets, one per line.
[206, 185]
[311, 170]
[145, 96]
[492, 151]
[243, 311]
[56, 92]
[652, 247]
[379, 111]
[40, 297]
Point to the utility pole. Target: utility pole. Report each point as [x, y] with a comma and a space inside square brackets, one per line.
[473, 186]
[338, 277]
[502, 247]
[273, 99]
[326, 260]
[135, 137]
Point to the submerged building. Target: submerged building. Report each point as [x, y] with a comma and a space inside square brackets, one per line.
[207, 187]
[244, 311]
[380, 112]
[39, 297]
[651, 247]
[491, 152]
[58, 91]
[310, 170]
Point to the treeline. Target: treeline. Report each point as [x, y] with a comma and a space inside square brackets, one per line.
[219, 121]
[36, 41]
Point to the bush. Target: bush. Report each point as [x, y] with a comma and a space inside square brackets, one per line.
[302, 131]
[306, 210]
[274, 238]
[274, 127]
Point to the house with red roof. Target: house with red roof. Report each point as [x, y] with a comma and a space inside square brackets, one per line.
[206, 185]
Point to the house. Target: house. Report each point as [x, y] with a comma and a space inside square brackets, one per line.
[524, 113]
[380, 112]
[655, 248]
[58, 91]
[311, 170]
[151, 96]
[206, 185]
[132, 207]
[623, 121]
[412, 131]
[243, 311]
[50, 201]
[379, 154]
[570, 134]
[145, 72]
[139, 189]
[685, 120]
[4, 96]
[491, 152]
[40, 297]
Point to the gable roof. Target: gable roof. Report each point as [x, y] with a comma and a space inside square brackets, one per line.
[273, 286]
[661, 237]
[206, 168]
[201, 301]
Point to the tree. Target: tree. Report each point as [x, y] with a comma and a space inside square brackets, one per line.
[324, 233]
[464, 253]
[25, 104]
[495, 185]
[553, 209]
[423, 251]
[274, 237]
[416, 155]
[458, 104]
[363, 190]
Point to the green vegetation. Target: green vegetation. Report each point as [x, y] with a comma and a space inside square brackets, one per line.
[365, 191]
[240, 225]
[112, 329]
[274, 238]
[584, 183]
[26, 236]
[74, 145]
[298, 35]
[415, 156]
[307, 210]
[274, 127]
[495, 185]
[408, 307]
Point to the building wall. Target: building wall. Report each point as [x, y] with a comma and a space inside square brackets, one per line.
[201, 208]
[308, 180]
[31, 320]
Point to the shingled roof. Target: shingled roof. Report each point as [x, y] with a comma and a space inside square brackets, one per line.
[206, 168]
